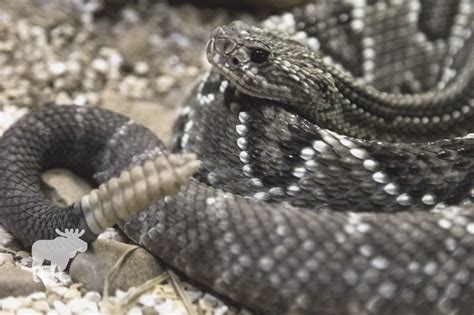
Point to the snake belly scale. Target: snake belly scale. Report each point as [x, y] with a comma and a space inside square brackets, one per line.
[336, 172]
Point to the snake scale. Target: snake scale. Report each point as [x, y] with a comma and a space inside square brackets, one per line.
[336, 171]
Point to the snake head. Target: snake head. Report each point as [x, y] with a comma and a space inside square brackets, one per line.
[269, 64]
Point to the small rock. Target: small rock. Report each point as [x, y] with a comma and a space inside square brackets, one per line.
[110, 233]
[149, 299]
[92, 267]
[221, 310]
[27, 311]
[53, 280]
[120, 295]
[61, 291]
[37, 296]
[135, 311]
[41, 306]
[164, 83]
[171, 307]
[100, 65]
[17, 282]
[57, 68]
[72, 293]
[194, 295]
[82, 306]
[63, 98]
[135, 87]
[141, 68]
[61, 308]
[92, 296]
[10, 304]
[192, 71]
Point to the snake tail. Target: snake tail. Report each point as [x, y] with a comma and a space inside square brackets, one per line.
[91, 142]
[135, 189]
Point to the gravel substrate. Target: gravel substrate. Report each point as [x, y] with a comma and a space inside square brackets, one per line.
[139, 60]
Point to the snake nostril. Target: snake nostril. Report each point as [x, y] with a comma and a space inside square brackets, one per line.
[234, 61]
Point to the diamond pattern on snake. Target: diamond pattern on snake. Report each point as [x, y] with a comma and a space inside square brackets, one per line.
[336, 164]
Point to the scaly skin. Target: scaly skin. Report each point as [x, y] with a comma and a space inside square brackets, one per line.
[292, 74]
[286, 216]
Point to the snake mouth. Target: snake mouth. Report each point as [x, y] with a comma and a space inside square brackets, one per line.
[219, 54]
[226, 68]
[224, 51]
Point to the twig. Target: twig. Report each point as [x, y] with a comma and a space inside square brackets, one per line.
[142, 289]
[114, 270]
[181, 293]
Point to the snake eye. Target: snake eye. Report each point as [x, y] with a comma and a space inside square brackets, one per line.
[259, 55]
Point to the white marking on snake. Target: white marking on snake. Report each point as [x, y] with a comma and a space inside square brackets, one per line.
[404, 199]
[307, 153]
[223, 86]
[380, 177]
[121, 131]
[391, 189]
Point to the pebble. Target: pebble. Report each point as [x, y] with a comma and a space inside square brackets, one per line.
[10, 304]
[92, 267]
[141, 68]
[164, 83]
[61, 308]
[15, 281]
[111, 233]
[148, 299]
[221, 310]
[71, 293]
[194, 295]
[61, 291]
[100, 65]
[37, 296]
[81, 306]
[41, 306]
[93, 296]
[135, 311]
[171, 307]
[27, 311]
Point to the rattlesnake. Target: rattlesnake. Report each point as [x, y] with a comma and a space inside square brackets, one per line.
[325, 185]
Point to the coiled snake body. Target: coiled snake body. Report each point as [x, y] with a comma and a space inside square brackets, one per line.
[318, 192]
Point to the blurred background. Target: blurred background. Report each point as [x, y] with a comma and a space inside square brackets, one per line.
[129, 56]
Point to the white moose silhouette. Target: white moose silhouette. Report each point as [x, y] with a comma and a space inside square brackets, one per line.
[59, 250]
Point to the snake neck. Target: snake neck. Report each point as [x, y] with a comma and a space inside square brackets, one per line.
[364, 112]
[271, 66]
